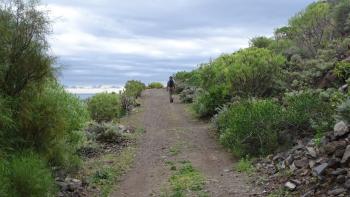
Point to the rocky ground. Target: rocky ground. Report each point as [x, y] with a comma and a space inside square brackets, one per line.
[73, 187]
[310, 168]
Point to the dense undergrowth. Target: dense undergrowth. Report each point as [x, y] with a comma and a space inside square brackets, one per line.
[155, 85]
[262, 98]
[280, 89]
[42, 125]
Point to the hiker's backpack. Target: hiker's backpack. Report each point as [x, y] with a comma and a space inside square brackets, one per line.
[171, 83]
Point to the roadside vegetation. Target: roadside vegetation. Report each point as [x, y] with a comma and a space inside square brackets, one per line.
[264, 98]
[261, 99]
[155, 85]
[187, 181]
[43, 128]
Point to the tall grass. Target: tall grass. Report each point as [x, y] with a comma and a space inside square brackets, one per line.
[26, 175]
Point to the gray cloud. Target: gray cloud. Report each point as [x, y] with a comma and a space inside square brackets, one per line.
[111, 41]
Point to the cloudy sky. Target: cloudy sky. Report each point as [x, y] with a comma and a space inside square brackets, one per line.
[107, 42]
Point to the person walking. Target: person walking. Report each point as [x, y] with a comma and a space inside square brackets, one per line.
[171, 88]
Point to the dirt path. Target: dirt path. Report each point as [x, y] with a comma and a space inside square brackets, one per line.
[170, 128]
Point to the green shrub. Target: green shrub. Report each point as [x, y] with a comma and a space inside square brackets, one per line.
[254, 72]
[342, 70]
[5, 114]
[134, 88]
[155, 85]
[26, 175]
[4, 181]
[342, 17]
[104, 132]
[7, 124]
[187, 80]
[182, 75]
[343, 111]
[307, 74]
[250, 127]
[50, 122]
[104, 107]
[244, 165]
[192, 78]
[260, 42]
[207, 102]
[307, 111]
[248, 72]
[186, 179]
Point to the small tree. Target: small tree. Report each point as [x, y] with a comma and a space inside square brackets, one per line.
[311, 29]
[134, 88]
[260, 42]
[342, 18]
[24, 58]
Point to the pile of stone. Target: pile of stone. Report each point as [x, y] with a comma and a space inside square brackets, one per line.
[188, 94]
[70, 187]
[126, 129]
[107, 132]
[106, 138]
[311, 168]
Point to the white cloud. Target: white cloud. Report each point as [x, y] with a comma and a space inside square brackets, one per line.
[70, 39]
[75, 43]
[137, 74]
[149, 40]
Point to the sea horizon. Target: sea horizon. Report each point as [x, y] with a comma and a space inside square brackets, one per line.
[85, 92]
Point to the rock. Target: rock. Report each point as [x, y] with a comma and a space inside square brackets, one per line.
[346, 155]
[308, 194]
[299, 154]
[297, 147]
[320, 169]
[289, 160]
[269, 157]
[341, 179]
[73, 184]
[122, 128]
[336, 191]
[304, 172]
[302, 163]
[340, 129]
[339, 153]
[334, 163]
[295, 181]
[347, 184]
[283, 165]
[320, 160]
[339, 171]
[331, 147]
[311, 152]
[291, 186]
[62, 185]
[278, 157]
[312, 163]
[292, 167]
[344, 88]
